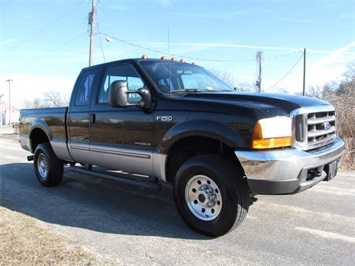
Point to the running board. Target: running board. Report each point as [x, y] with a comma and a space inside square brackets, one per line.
[147, 182]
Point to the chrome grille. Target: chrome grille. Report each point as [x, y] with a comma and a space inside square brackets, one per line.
[315, 129]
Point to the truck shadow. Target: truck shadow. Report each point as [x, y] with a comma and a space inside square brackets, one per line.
[92, 203]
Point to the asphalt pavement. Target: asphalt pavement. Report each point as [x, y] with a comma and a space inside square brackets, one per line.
[132, 226]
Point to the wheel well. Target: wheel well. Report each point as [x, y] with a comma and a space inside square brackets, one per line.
[37, 137]
[190, 147]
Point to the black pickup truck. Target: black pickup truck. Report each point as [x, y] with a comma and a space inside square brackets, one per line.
[148, 121]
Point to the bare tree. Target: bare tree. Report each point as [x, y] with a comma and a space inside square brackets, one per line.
[282, 90]
[50, 99]
[342, 96]
[66, 99]
[233, 82]
[330, 88]
[226, 77]
[316, 92]
[53, 98]
[37, 103]
[350, 72]
[245, 87]
[27, 104]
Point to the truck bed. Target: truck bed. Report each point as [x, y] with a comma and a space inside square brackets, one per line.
[52, 121]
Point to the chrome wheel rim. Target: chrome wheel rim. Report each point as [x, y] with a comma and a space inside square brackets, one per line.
[203, 197]
[42, 166]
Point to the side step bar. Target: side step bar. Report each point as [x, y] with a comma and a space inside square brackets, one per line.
[147, 182]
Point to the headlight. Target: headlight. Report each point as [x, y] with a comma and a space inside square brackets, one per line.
[272, 133]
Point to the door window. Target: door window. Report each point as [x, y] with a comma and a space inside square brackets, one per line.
[123, 73]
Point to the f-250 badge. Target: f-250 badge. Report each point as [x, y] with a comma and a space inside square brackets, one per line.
[165, 118]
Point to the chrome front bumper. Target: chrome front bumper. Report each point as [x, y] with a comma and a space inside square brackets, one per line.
[289, 171]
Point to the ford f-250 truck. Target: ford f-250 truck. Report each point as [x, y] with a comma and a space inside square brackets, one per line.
[150, 121]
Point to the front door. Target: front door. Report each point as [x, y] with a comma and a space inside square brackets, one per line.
[121, 138]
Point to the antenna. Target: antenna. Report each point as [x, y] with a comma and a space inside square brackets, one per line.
[168, 42]
[304, 72]
[169, 61]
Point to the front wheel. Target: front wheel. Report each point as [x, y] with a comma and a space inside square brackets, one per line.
[48, 168]
[211, 195]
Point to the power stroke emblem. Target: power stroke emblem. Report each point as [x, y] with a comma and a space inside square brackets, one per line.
[164, 118]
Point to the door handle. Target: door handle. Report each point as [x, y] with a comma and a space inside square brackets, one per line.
[92, 119]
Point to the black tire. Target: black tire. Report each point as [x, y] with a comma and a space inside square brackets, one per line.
[211, 195]
[48, 168]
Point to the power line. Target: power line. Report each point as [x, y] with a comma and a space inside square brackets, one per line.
[212, 60]
[194, 58]
[132, 44]
[46, 27]
[43, 56]
[286, 73]
[101, 46]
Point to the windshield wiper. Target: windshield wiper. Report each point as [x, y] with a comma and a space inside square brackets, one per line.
[190, 90]
[184, 90]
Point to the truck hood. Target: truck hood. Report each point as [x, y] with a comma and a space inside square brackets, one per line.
[268, 104]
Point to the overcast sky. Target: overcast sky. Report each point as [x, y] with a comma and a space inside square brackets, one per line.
[45, 43]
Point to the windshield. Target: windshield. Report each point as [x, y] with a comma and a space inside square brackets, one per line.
[176, 77]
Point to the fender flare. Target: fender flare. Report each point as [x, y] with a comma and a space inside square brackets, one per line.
[41, 125]
[201, 128]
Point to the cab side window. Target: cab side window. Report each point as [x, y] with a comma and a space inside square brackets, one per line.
[123, 72]
[85, 88]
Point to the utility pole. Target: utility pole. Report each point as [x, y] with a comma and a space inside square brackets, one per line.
[9, 81]
[304, 71]
[258, 61]
[91, 22]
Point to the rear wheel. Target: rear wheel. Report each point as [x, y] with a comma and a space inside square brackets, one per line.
[48, 168]
[211, 195]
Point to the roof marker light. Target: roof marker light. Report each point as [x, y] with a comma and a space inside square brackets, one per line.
[144, 56]
[163, 57]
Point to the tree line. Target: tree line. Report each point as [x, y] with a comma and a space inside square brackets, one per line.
[342, 95]
[49, 99]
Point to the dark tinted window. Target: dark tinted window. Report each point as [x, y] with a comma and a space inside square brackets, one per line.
[85, 87]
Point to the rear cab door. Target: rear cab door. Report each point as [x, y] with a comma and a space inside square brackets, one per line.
[78, 118]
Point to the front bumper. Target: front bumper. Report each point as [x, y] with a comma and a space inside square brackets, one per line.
[289, 171]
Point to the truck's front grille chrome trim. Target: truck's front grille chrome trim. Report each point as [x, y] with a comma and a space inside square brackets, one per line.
[314, 128]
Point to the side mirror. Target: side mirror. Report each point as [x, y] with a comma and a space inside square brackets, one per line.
[146, 102]
[119, 96]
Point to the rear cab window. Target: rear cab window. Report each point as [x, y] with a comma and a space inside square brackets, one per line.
[82, 97]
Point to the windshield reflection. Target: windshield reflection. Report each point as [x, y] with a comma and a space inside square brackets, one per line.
[177, 77]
